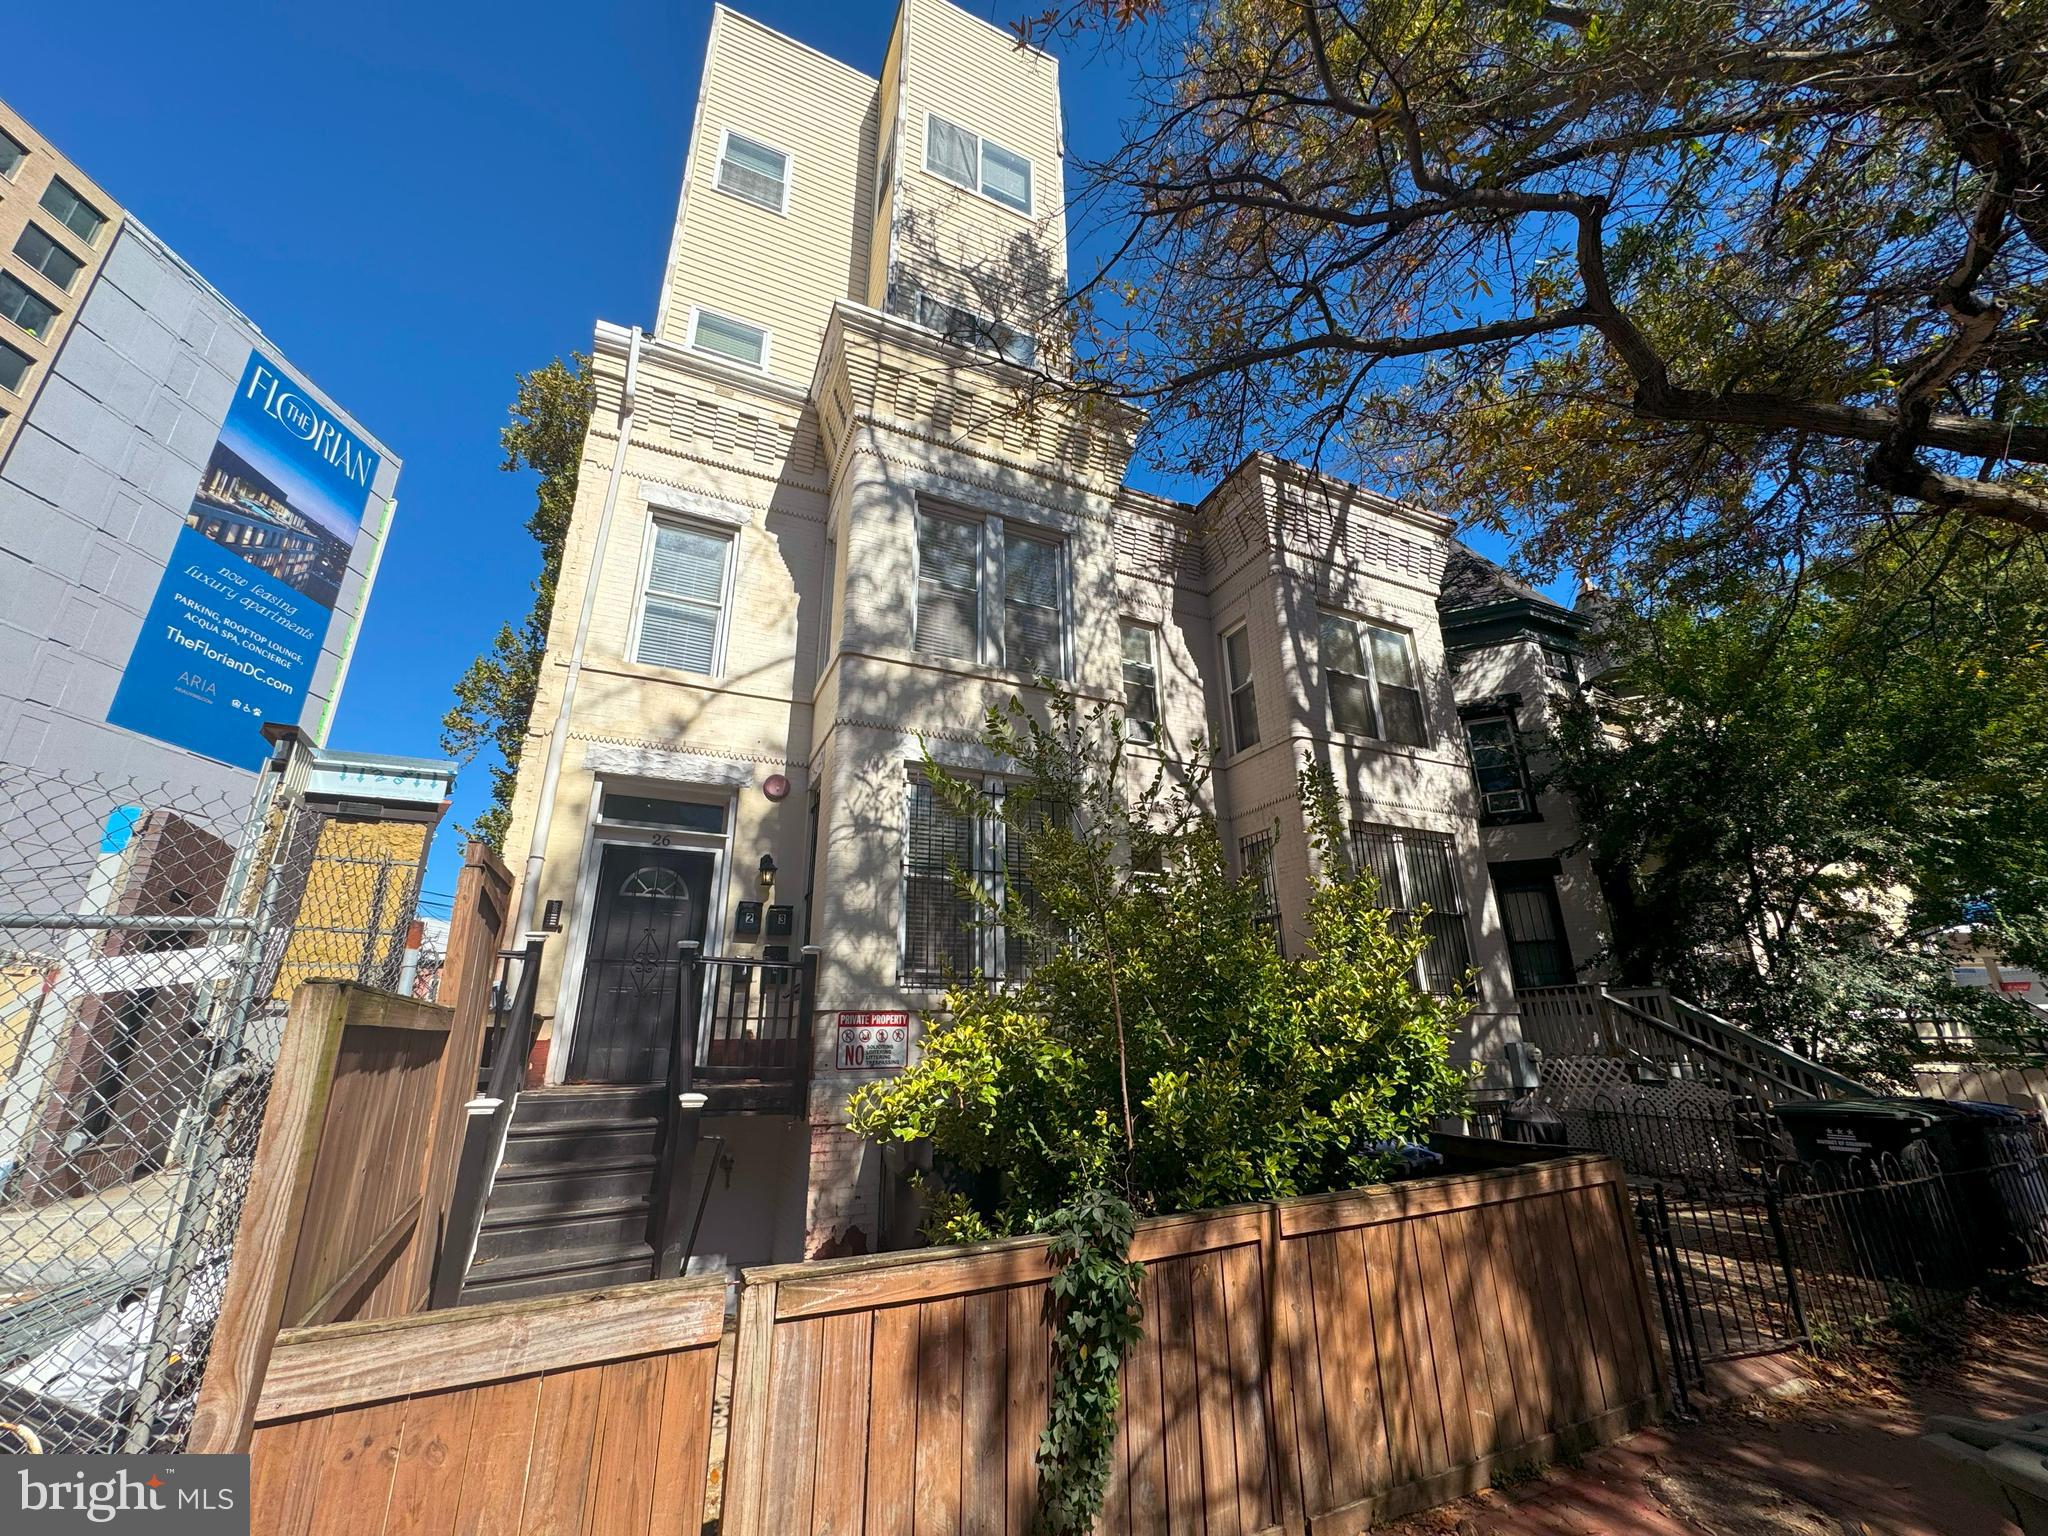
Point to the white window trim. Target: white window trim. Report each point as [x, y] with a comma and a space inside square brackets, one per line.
[1151, 633]
[1030, 178]
[725, 137]
[986, 345]
[1242, 627]
[698, 311]
[1360, 623]
[990, 649]
[716, 527]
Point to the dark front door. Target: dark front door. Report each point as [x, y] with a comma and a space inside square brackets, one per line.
[1527, 892]
[649, 900]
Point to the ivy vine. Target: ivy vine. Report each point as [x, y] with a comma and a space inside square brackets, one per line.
[1093, 1308]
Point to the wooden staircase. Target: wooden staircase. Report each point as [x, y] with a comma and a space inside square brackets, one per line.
[570, 1208]
[1666, 1036]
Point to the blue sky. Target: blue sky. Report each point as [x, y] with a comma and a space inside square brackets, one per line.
[416, 201]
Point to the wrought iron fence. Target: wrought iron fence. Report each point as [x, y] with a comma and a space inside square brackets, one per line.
[150, 938]
[1752, 1250]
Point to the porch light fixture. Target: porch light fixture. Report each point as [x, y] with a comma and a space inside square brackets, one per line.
[767, 869]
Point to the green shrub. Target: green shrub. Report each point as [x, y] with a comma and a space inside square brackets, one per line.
[1162, 1047]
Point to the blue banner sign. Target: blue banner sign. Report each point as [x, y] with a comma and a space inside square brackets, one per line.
[233, 634]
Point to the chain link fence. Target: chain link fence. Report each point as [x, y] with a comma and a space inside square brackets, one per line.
[151, 937]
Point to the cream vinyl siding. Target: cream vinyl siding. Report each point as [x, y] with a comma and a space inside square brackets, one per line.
[968, 73]
[778, 270]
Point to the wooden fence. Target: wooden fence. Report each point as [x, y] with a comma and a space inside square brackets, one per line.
[353, 1171]
[1320, 1363]
[587, 1413]
[1310, 1365]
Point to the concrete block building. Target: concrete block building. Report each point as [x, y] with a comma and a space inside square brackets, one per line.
[826, 517]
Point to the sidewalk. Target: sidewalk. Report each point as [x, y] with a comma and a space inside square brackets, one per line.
[1832, 1450]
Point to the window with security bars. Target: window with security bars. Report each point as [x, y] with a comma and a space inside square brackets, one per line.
[1415, 870]
[754, 172]
[1255, 862]
[951, 931]
[1024, 575]
[1373, 683]
[682, 611]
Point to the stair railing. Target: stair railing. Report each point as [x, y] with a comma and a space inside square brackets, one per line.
[488, 1121]
[682, 1104]
[1656, 1030]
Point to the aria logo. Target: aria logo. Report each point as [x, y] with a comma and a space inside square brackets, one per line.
[102, 1499]
[303, 420]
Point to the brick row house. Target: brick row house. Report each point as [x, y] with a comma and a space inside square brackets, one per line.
[816, 535]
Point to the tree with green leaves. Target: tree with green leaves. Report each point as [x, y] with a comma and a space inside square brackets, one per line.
[1701, 287]
[1789, 804]
[1161, 1047]
[494, 697]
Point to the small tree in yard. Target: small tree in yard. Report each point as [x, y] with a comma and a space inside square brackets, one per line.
[1162, 1047]
[494, 697]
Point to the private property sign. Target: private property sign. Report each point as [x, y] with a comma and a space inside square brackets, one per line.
[868, 1040]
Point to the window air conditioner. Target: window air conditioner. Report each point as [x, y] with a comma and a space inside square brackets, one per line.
[1506, 802]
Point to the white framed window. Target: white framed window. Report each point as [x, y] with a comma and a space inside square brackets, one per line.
[1416, 870]
[990, 593]
[967, 328]
[968, 160]
[734, 340]
[1034, 634]
[754, 172]
[1141, 681]
[685, 594]
[1244, 699]
[1372, 681]
[12, 153]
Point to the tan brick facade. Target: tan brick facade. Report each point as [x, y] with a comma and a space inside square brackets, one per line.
[30, 166]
